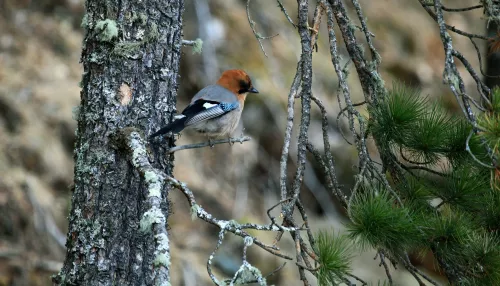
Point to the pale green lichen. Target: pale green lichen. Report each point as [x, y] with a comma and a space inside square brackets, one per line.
[249, 273]
[233, 223]
[162, 242]
[131, 49]
[150, 177]
[108, 30]
[140, 18]
[154, 183]
[162, 259]
[194, 211]
[198, 46]
[352, 26]
[96, 229]
[139, 35]
[248, 240]
[223, 224]
[155, 190]
[127, 49]
[75, 112]
[138, 152]
[379, 83]
[153, 33]
[153, 215]
[453, 79]
[361, 49]
[85, 22]
[94, 58]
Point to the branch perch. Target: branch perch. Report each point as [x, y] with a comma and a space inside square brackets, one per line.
[210, 143]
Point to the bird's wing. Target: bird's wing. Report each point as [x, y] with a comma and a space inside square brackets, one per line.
[210, 102]
[202, 110]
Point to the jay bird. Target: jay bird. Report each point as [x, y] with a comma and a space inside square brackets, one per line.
[216, 109]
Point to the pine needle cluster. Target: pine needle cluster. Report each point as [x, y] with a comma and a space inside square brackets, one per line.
[448, 184]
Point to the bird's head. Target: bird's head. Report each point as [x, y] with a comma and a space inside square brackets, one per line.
[237, 81]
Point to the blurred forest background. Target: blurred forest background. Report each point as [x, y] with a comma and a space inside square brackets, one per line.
[40, 44]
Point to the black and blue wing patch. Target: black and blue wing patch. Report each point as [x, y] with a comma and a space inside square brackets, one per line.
[198, 111]
[202, 110]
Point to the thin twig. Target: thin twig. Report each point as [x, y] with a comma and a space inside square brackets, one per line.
[368, 35]
[438, 14]
[210, 143]
[258, 36]
[357, 278]
[386, 267]
[230, 226]
[424, 169]
[269, 274]
[333, 186]
[286, 13]
[188, 43]
[411, 268]
[456, 9]
[222, 232]
[483, 90]
[467, 148]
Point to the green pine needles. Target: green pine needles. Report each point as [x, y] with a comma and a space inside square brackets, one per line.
[443, 170]
[335, 253]
[376, 221]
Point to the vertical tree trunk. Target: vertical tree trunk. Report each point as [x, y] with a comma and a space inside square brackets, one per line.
[492, 59]
[130, 56]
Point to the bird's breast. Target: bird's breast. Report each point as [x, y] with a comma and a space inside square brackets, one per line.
[220, 126]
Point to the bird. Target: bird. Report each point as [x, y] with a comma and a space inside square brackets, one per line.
[215, 110]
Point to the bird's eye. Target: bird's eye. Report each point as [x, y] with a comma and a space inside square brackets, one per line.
[244, 86]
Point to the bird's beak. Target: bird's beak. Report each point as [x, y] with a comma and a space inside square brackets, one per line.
[253, 90]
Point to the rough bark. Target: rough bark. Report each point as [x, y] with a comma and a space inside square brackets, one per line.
[130, 56]
[492, 60]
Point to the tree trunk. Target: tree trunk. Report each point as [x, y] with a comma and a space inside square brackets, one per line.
[492, 59]
[130, 56]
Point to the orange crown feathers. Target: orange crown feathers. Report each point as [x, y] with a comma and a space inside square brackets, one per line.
[235, 81]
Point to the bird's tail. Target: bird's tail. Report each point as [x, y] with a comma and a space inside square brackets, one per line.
[174, 127]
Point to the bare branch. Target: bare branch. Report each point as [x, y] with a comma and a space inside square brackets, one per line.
[414, 271]
[222, 232]
[386, 267]
[331, 183]
[257, 35]
[288, 131]
[357, 278]
[305, 95]
[210, 143]
[231, 226]
[368, 34]
[453, 78]
[467, 148]
[483, 90]
[456, 9]
[286, 13]
[436, 16]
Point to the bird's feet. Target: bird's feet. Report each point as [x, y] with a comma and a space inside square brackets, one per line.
[230, 141]
[210, 143]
